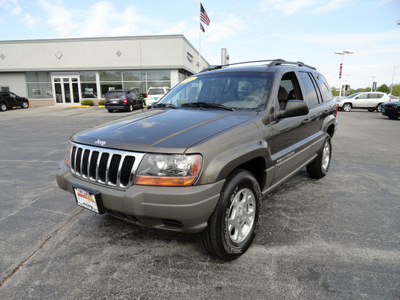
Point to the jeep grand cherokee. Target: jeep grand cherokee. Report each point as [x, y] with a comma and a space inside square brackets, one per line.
[204, 158]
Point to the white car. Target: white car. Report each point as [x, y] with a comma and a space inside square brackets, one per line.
[364, 100]
[154, 94]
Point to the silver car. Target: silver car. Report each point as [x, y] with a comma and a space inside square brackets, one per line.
[363, 100]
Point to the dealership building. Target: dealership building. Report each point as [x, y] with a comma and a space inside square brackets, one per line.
[66, 71]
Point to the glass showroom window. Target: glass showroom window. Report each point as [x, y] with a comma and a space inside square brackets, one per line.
[110, 80]
[88, 84]
[39, 85]
[158, 78]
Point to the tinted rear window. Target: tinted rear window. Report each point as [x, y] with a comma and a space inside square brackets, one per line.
[156, 91]
[115, 94]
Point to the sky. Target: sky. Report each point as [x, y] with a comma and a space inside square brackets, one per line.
[295, 30]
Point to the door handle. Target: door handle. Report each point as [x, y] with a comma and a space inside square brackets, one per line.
[306, 121]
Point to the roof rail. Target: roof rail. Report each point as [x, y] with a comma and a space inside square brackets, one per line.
[272, 63]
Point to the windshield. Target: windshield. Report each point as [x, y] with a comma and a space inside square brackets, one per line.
[239, 90]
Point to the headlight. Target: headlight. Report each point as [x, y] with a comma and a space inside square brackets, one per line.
[168, 170]
[67, 154]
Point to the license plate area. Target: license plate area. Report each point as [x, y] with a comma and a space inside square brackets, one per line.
[89, 199]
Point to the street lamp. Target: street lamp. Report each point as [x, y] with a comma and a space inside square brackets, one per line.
[341, 66]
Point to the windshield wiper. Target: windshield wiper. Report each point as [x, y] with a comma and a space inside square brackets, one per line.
[207, 105]
[168, 105]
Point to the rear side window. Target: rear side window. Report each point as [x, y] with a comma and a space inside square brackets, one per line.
[310, 94]
[323, 86]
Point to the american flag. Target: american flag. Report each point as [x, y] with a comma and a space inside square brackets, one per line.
[203, 15]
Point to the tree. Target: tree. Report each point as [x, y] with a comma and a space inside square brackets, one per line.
[384, 89]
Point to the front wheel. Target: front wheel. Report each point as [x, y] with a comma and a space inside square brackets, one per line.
[346, 107]
[319, 167]
[232, 226]
[379, 108]
[25, 104]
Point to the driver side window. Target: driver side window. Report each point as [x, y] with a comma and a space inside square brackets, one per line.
[288, 89]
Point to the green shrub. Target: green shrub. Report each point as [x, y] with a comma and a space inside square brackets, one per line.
[102, 102]
[87, 102]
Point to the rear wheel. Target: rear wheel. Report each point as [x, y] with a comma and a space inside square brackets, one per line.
[110, 110]
[319, 167]
[130, 107]
[371, 109]
[232, 226]
[346, 107]
[3, 107]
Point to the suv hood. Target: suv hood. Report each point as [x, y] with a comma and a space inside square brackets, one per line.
[171, 131]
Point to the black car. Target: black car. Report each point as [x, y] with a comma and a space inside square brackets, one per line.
[123, 100]
[9, 100]
[391, 109]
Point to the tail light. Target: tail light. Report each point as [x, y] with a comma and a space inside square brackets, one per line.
[147, 95]
[125, 100]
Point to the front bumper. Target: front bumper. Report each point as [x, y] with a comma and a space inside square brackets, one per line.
[182, 209]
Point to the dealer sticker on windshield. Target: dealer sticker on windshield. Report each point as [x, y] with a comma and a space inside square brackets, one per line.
[88, 199]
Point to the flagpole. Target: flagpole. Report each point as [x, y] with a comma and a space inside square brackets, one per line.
[199, 36]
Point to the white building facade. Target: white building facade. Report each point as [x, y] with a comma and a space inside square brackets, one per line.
[66, 71]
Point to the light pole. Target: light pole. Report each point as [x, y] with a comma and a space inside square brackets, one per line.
[341, 67]
[391, 86]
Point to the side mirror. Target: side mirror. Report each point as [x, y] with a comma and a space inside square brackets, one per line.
[356, 98]
[294, 108]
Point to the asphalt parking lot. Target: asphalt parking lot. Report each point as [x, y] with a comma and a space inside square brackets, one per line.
[336, 238]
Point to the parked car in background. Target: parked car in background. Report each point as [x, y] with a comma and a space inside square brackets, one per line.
[9, 100]
[393, 98]
[364, 100]
[154, 94]
[123, 100]
[391, 109]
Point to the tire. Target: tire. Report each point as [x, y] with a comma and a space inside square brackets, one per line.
[110, 110]
[371, 109]
[232, 226]
[3, 107]
[346, 107]
[319, 167]
[24, 104]
[379, 108]
[130, 107]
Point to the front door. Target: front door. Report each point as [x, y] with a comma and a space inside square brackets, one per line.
[66, 89]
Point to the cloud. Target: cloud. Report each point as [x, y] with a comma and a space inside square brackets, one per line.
[230, 25]
[60, 18]
[289, 7]
[30, 21]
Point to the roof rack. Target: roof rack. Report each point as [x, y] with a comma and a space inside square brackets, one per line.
[272, 63]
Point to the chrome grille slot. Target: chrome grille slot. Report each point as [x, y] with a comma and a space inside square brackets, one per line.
[104, 166]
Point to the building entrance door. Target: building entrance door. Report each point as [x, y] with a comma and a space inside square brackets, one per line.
[66, 89]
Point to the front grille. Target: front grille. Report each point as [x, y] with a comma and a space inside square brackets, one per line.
[104, 166]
